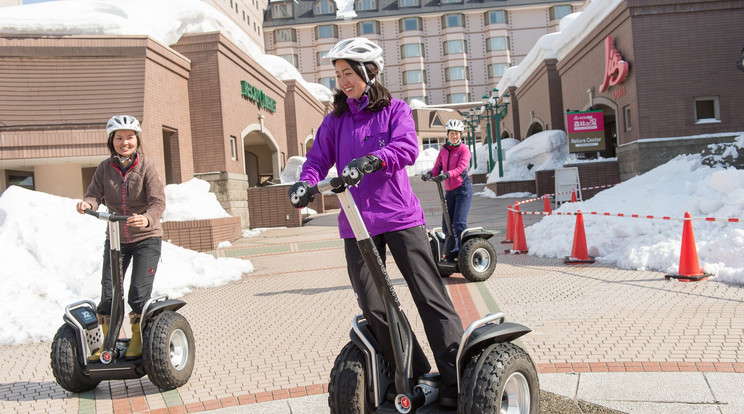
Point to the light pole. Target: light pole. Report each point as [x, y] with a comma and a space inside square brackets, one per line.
[471, 119]
[496, 111]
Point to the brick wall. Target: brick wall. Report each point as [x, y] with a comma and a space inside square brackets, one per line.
[507, 187]
[270, 207]
[202, 235]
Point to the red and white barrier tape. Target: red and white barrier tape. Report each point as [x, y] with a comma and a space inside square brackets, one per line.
[596, 187]
[596, 213]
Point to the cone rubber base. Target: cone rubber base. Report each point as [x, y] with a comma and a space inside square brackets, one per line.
[516, 251]
[507, 241]
[689, 278]
[574, 260]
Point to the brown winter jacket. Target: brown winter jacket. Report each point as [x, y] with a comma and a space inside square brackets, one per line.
[144, 194]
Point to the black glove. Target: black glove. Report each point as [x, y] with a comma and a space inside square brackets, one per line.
[298, 194]
[359, 167]
[427, 176]
[441, 177]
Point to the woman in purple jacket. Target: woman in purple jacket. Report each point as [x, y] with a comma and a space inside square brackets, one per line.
[451, 167]
[369, 128]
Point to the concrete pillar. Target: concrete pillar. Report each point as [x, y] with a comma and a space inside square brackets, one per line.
[64, 180]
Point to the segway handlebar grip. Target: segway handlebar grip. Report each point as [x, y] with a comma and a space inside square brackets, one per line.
[328, 184]
[106, 216]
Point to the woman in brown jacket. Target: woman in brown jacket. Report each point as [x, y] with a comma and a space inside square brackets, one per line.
[128, 184]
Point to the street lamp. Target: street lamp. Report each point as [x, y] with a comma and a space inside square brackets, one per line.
[496, 111]
[472, 119]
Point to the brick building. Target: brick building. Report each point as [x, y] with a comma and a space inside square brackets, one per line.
[681, 84]
[207, 110]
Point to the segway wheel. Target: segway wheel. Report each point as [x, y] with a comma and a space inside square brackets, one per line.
[66, 363]
[500, 379]
[477, 259]
[346, 388]
[168, 350]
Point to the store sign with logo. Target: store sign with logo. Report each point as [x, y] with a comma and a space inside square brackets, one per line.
[256, 95]
[616, 69]
[585, 131]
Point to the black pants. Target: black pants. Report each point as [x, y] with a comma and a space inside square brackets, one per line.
[144, 256]
[412, 254]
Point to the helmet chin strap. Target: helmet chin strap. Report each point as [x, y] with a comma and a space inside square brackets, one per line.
[366, 77]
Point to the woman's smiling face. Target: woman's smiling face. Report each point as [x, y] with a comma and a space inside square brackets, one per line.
[348, 80]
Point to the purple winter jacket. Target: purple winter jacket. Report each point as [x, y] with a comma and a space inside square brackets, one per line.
[385, 198]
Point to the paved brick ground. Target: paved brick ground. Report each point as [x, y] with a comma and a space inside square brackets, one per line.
[275, 333]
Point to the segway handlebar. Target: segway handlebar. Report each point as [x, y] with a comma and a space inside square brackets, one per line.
[106, 216]
[326, 185]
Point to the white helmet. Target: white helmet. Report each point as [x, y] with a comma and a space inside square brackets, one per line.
[455, 125]
[118, 122]
[358, 49]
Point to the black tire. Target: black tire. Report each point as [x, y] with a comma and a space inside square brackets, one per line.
[346, 388]
[489, 372]
[168, 350]
[477, 259]
[65, 363]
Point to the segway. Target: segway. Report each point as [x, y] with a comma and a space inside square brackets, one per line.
[167, 340]
[494, 375]
[476, 259]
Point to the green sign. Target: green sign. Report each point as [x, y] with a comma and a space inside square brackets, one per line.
[256, 95]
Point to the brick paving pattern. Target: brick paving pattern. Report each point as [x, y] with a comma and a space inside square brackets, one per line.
[275, 333]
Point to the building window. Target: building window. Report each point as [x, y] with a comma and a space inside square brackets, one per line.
[497, 43]
[319, 57]
[329, 83]
[362, 5]
[291, 58]
[457, 98]
[496, 70]
[456, 73]
[410, 23]
[707, 110]
[453, 20]
[412, 50]
[408, 3]
[495, 17]
[451, 1]
[367, 28]
[626, 117]
[559, 12]
[233, 148]
[324, 7]
[282, 10]
[23, 179]
[326, 31]
[285, 35]
[452, 47]
[414, 76]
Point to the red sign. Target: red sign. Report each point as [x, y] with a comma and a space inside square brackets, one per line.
[585, 131]
[616, 69]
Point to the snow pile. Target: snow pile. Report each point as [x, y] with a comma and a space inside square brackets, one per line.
[52, 256]
[191, 201]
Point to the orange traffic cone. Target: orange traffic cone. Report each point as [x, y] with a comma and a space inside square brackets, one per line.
[573, 196]
[509, 227]
[546, 206]
[579, 252]
[520, 241]
[689, 267]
